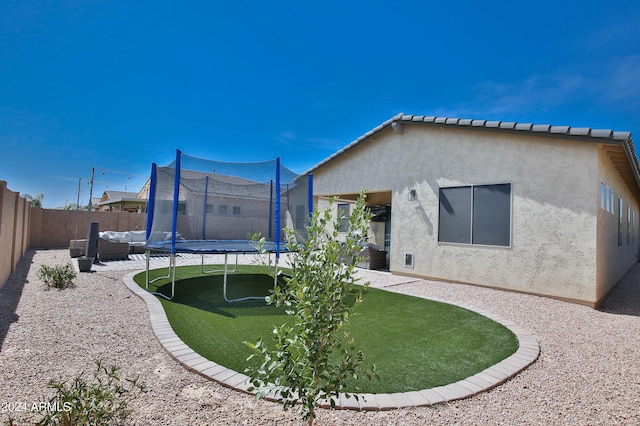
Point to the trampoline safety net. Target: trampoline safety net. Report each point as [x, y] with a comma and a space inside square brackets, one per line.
[199, 200]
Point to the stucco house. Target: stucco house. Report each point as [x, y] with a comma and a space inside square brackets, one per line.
[549, 210]
[121, 201]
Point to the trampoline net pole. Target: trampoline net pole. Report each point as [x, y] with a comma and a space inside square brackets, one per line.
[277, 212]
[152, 198]
[176, 198]
[204, 207]
[270, 209]
[173, 275]
[310, 195]
[147, 270]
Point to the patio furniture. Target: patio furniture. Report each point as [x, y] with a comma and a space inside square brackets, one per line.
[375, 258]
[80, 244]
[111, 250]
[135, 239]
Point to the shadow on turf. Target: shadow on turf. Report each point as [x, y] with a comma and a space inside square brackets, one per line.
[206, 293]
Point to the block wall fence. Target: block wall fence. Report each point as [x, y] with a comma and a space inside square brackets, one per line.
[15, 219]
[25, 227]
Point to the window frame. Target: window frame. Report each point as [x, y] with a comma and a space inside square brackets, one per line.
[628, 225]
[472, 192]
[344, 218]
[620, 218]
[613, 203]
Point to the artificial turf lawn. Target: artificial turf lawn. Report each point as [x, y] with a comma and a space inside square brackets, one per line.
[415, 343]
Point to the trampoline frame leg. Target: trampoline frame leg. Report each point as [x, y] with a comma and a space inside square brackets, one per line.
[224, 284]
[213, 271]
[171, 274]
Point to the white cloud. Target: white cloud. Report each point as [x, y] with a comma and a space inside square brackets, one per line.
[290, 138]
[287, 135]
[538, 91]
[623, 80]
[614, 84]
[327, 143]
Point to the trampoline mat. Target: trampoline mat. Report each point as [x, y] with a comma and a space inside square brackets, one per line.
[214, 246]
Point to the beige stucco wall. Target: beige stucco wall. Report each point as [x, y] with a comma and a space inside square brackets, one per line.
[613, 261]
[15, 215]
[55, 228]
[23, 227]
[555, 187]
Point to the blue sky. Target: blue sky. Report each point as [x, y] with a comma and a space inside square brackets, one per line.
[117, 85]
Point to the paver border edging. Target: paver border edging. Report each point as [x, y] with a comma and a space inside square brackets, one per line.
[528, 351]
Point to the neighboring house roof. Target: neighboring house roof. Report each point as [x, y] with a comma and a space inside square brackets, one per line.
[113, 195]
[218, 185]
[619, 148]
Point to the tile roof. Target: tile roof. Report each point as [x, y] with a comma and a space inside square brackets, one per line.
[605, 136]
[120, 194]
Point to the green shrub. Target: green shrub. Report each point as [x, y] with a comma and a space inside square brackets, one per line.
[60, 276]
[105, 401]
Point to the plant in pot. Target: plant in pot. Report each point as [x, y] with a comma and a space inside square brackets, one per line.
[84, 263]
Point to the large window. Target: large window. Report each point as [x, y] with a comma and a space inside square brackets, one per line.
[476, 214]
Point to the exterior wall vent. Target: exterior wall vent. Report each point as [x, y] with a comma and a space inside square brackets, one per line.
[408, 259]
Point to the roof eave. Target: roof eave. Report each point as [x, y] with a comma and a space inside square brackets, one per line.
[585, 134]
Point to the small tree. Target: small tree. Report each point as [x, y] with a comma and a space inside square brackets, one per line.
[314, 356]
[36, 201]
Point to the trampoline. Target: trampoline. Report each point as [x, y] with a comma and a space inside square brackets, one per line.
[204, 247]
[216, 246]
[208, 207]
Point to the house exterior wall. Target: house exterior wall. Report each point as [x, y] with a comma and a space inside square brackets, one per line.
[614, 260]
[555, 202]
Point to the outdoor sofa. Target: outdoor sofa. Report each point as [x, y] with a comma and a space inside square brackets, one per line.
[374, 257]
[118, 245]
[112, 250]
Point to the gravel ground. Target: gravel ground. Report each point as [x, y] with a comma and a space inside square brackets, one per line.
[588, 371]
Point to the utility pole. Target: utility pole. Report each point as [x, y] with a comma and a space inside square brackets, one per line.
[93, 169]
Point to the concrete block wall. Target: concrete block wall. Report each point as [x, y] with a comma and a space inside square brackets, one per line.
[15, 219]
[23, 227]
[54, 228]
